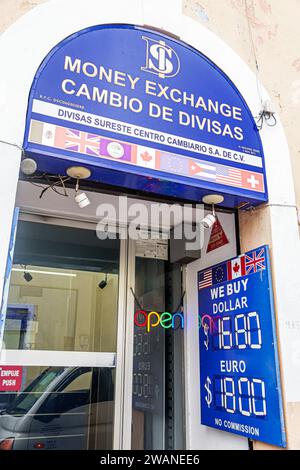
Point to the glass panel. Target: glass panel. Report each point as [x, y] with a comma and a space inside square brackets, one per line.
[148, 401]
[63, 297]
[63, 290]
[60, 408]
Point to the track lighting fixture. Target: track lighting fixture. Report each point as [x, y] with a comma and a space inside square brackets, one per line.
[209, 220]
[79, 173]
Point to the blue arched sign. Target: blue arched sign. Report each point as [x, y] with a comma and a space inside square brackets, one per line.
[147, 112]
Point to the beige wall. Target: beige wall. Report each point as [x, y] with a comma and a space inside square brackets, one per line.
[265, 35]
[11, 10]
[266, 31]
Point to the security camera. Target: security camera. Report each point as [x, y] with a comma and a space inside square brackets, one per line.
[208, 221]
[28, 166]
[27, 276]
[82, 200]
[103, 283]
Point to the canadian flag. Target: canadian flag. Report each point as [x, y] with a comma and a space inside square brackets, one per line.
[236, 268]
[145, 157]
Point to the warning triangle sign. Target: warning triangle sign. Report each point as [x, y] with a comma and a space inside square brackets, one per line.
[217, 238]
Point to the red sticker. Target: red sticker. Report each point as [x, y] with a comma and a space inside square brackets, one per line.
[217, 237]
[10, 378]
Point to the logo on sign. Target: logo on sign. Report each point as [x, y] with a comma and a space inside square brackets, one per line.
[161, 59]
[115, 150]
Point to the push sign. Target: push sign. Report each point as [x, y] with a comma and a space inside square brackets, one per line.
[239, 368]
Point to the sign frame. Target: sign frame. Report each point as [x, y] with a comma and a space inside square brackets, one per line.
[240, 386]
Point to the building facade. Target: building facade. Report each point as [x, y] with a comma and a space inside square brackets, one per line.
[82, 343]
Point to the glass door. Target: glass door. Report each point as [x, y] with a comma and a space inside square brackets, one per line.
[148, 375]
[153, 397]
[59, 383]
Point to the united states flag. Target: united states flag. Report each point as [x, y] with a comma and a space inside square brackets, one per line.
[229, 176]
[205, 279]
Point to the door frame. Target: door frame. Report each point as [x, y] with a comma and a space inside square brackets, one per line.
[128, 348]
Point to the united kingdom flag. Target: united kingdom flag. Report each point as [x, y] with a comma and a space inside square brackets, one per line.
[78, 141]
[255, 261]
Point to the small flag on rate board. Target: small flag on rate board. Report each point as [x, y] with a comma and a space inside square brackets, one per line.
[205, 279]
[212, 276]
[236, 268]
[219, 274]
[255, 261]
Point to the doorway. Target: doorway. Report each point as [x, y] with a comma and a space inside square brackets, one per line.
[61, 330]
[70, 333]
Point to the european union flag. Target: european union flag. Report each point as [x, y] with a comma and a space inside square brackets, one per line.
[219, 274]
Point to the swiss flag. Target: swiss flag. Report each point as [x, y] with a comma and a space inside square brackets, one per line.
[253, 181]
[236, 268]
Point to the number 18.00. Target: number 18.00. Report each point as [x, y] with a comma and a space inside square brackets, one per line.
[248, 398]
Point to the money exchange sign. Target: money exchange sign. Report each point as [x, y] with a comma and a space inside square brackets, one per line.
[144, 111]
[239, 368]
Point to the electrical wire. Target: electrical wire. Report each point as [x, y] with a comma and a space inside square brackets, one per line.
[142, 308]
[59, 181]
[12, 145]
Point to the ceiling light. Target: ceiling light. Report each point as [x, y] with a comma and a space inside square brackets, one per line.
[208, 221]
[213, 199]
[28, 166]
[82, 200]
